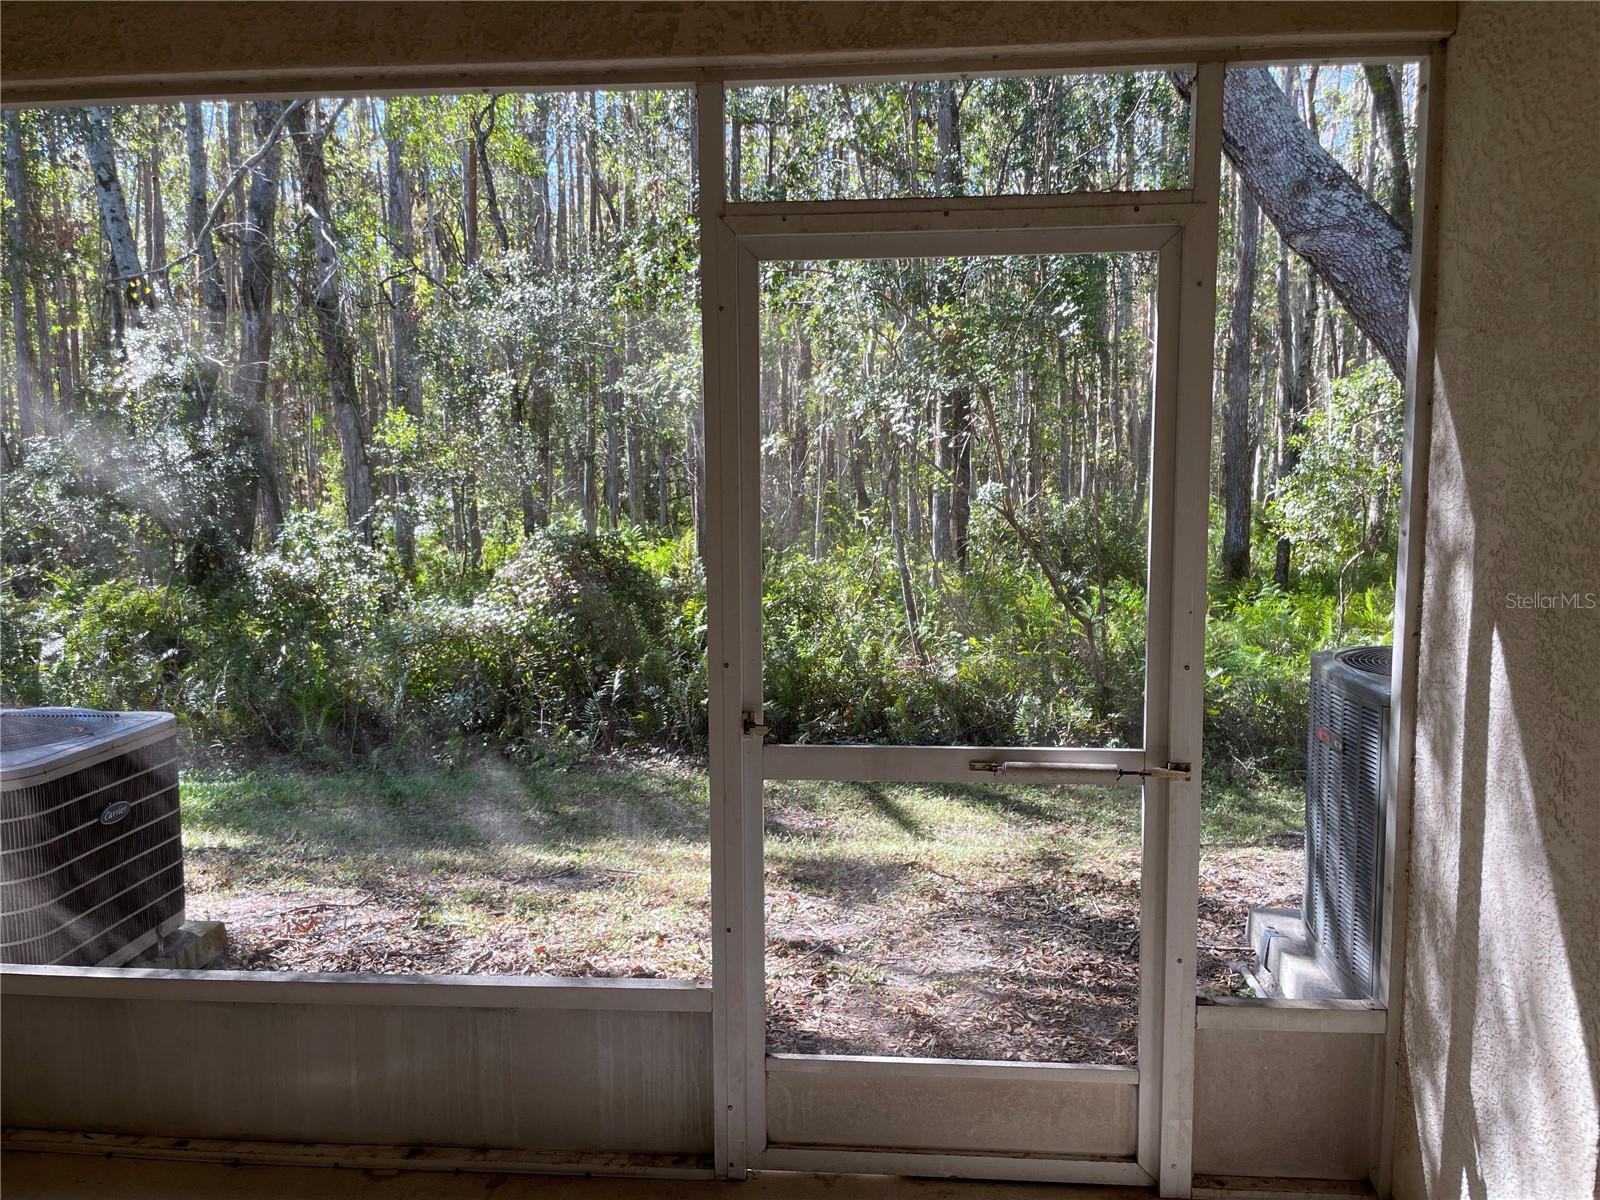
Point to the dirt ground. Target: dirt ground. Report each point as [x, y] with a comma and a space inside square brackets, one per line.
[912, 921]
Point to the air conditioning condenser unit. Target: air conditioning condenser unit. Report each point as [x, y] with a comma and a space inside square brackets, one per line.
[91, 851]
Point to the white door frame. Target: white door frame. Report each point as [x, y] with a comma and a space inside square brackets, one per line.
[1181, 227]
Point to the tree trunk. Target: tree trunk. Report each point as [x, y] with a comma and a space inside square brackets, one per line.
[213, 294]
[544, 418]
[633, 446]
[913, 503]
[613, 433]
[17, 253]
[561, 240]
[944, 474]
[948, 171]
[1297, 319]
[156, 212]
[1349, 239]
[800, 442]
[131, 292]
[332, 334]
[256, 259]
[908, 597]
[469, 200]
[960, 405]
[591, 160]
[235, 147]
[541, 179]
[483, 124]
[858, 468]
[953, 452]
[404, 381]
[589, 454]
[1237, 451]
[1386, 106]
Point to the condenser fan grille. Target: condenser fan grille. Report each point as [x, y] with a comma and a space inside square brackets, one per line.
[30, 730]
[1374, 660]
[40, 742]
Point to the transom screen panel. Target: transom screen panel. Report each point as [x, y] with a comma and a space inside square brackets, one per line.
[985, 136]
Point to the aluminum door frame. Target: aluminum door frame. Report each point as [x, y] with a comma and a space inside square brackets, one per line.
[1180, 226]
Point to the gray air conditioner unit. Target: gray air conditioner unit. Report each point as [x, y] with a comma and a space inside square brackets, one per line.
[91, 856]
[1345, 812]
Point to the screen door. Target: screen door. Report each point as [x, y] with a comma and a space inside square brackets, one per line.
[953, 521]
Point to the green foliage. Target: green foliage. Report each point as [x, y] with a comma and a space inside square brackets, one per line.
[1003, 663]
[573, 640]
[126, 649]
[1341, 500]
[557, 373]
[1259, 642]
[598, 640]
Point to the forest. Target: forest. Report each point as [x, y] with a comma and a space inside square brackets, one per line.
[338, 424]
[366, 432]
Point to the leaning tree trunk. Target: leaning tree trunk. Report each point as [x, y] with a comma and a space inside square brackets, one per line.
[338, 356]
[131, 291]
[1237, 450]
[1346, 236]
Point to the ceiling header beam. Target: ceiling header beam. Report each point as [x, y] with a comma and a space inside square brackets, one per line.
[99, 51]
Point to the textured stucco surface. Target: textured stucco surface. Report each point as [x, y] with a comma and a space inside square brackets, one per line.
[132, 49]
[1500, 1037]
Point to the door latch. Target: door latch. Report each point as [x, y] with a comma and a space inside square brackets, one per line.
[1173, 770]
[1090, 772]
[752, 727]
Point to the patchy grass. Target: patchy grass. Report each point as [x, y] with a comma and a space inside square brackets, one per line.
[946, 921]
[599, 869]
[953, 922]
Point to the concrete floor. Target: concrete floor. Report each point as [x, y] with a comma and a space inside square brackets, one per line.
[71, 1177]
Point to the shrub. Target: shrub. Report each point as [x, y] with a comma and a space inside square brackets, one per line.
[1258, 669]
[127, 648]
[573, 639]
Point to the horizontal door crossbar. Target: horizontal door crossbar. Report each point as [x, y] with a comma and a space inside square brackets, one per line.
[928, 764]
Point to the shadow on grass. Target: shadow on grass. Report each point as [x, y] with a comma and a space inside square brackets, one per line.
[840, 878]
[294, 815]
[1004, 801]
[1252, 811]
[886, 806]
[798, 809]
[1040, 967]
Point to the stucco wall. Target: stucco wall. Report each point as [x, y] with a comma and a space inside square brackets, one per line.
[136, 49]
[1500, 1037]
